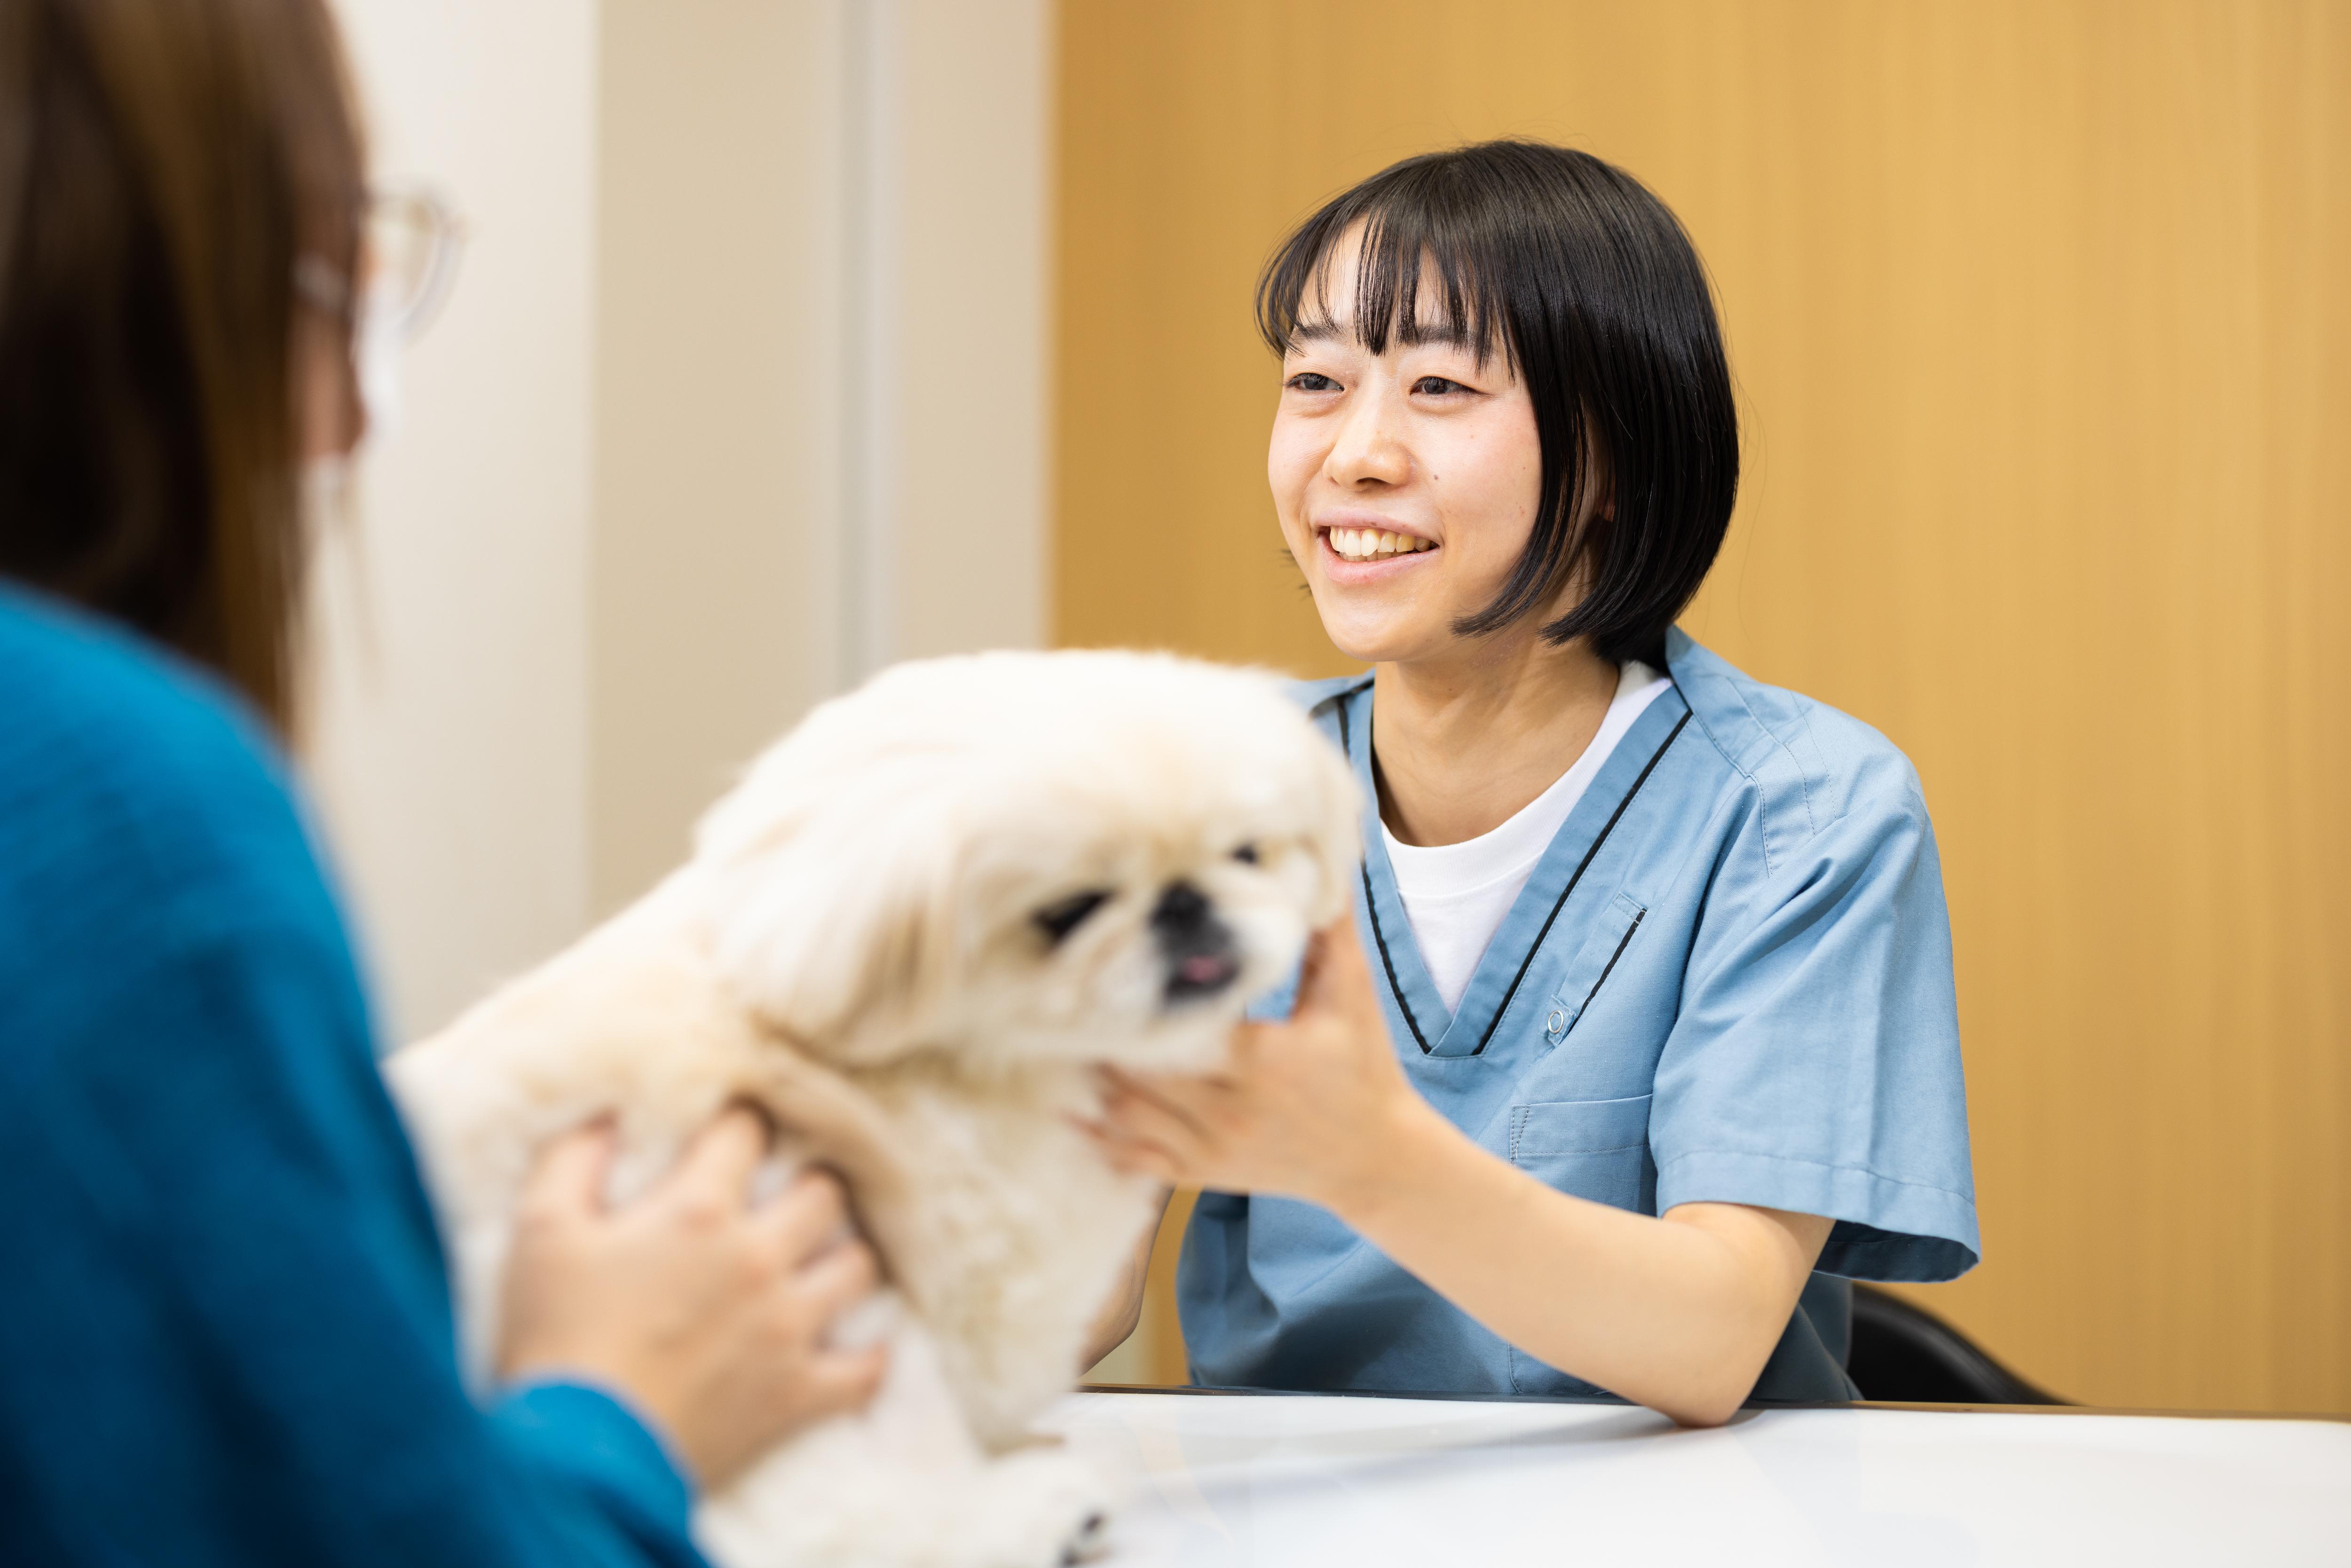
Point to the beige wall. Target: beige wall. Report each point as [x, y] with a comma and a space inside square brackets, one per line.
[820, 426]
[720, 413]
[449, 741]
[741, 395]
[962, 160]
[2040, 315]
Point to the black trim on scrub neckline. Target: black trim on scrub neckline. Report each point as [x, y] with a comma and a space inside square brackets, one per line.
[1370, 903]
[1394, 988]
[1622, 943]
[1371, 907]
[1589, 855]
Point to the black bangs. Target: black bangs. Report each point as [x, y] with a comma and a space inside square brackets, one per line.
[1406, 244]
[1588, 287]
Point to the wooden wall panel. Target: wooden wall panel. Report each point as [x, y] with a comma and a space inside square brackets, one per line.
[2040, 314]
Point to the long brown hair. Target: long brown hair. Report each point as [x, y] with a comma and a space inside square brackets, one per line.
[164, 166]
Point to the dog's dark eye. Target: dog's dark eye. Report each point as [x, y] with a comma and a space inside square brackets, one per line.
[1245, 854]
[1062, 917]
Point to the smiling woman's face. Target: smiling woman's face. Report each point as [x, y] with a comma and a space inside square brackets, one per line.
[1406, 481]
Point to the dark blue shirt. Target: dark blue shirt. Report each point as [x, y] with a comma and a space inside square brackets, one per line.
[226, 1332]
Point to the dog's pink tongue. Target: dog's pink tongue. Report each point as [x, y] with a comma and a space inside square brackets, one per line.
[1204, 970]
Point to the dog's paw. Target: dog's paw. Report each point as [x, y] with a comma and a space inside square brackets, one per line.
[1045, 1509]
[1091, 1541]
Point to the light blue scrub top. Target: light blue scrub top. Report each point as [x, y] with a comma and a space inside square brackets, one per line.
[1728, 980]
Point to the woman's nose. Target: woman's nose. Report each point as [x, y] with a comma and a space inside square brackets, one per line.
[1368, 450]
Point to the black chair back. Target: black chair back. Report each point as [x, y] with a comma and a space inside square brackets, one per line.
[1904, 1353]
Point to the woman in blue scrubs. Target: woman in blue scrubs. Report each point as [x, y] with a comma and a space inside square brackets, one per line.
[1642, 1039]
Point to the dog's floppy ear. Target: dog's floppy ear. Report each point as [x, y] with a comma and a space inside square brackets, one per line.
[830, 900]
[1338, 834]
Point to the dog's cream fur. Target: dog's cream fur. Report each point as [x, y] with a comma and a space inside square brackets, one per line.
[861, 944]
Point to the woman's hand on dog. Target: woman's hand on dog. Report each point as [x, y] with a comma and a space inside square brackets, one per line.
[709, 1313]
[1304, 1110]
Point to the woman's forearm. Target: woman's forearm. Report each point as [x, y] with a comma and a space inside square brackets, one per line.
[1678, 1313]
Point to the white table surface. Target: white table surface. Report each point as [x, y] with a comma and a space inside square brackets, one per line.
[1279, 1481]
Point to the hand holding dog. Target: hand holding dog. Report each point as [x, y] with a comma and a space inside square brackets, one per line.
[708, 1312]
[1310, 1109]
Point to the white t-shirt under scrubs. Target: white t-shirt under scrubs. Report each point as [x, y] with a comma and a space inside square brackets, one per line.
[1456, 894]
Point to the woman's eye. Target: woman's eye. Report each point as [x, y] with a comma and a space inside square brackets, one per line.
[1310, 382]
[1436, 386]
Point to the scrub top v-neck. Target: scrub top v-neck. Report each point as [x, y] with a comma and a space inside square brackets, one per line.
[1728, 980]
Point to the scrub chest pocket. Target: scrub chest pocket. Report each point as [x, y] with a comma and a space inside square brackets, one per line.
[1592, 964]
[1598, 1149]
[1595, 1148]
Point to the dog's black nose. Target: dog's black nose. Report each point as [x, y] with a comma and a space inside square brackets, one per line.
[1181, 912]
[1198, 947]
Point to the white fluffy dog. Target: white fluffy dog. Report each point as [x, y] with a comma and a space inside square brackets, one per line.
[909, 935]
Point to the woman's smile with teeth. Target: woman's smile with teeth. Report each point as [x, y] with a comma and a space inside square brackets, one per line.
[1374, 544]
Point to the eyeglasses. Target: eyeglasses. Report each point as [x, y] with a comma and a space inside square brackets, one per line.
[410, 243]
[413, 240]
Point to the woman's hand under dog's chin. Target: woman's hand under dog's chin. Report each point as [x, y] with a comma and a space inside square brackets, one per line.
[1316, 1108]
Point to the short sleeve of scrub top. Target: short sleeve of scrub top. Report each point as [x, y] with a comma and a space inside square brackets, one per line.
[1728, 980]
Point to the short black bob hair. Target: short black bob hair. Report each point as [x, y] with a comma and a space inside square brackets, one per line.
[1587, 283]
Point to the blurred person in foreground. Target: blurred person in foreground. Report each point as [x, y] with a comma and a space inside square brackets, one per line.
[225, 1335]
